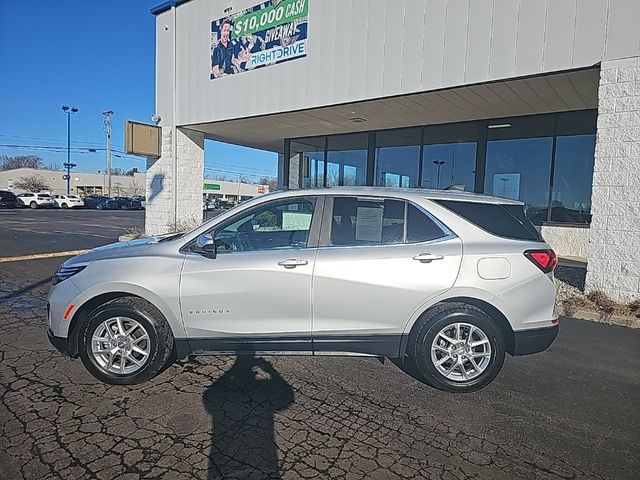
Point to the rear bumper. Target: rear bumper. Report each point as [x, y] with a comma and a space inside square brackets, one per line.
[60, 343]
[534, 341]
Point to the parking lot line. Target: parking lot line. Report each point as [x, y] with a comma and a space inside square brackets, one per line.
[37, 256]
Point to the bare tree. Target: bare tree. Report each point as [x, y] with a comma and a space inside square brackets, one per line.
[54, 166]
[117, 171]
[272, 183]
[34, 183]
[135, 189]
[20, 161]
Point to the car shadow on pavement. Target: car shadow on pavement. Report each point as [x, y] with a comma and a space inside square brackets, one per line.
[12, 295]
[242, 404]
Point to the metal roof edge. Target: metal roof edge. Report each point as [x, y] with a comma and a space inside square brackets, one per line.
[163, 7]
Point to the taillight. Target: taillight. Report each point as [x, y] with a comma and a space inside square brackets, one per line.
[545, 260]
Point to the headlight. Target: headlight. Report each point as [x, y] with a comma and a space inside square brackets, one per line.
[65, 272]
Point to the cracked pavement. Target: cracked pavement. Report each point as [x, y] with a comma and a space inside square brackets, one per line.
[568, 413]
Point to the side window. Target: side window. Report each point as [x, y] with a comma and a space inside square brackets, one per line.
[274, 225]
[421, 228]
[358, 221]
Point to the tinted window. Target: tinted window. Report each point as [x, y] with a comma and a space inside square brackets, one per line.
[501, 220]
[420, 228]
[366, 222]
[274, 225]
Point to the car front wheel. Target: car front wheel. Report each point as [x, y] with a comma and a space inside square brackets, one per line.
[64, 205]
[458, 348]
[125, 341]
[33, 205]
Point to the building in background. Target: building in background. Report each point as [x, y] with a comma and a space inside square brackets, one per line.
[82, 184]
[232, 192]
[533, 100]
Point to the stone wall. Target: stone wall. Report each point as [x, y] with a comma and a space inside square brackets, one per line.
[160, 201]
[614, 236]
[567, 241]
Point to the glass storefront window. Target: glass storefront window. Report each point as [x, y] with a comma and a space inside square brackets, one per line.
[306, 166]
[347, 159]
[449, 157]
[516, 159]
[520, 169]
[398, 158]
[572, 179]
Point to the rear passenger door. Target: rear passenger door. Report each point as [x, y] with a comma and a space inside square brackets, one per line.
[379, 260]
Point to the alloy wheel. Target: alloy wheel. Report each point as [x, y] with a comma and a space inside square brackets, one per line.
[120, 345]
[461, 352]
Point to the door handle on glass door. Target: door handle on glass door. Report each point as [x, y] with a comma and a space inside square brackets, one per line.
[428, 257]
[292, 263]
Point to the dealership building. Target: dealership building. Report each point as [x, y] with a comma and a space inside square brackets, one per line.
[536, 100]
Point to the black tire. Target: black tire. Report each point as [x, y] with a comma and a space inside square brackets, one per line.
[99, 206]
[64, 205]
[431, 323]
[150, 318]
[33, 205]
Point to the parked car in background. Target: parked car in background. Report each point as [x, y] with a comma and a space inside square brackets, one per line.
[99, 202]
[223, 205]
[142, 199]
[127, 203]
[68, 201]
[36, 200]
[8, 199]
[444, 283]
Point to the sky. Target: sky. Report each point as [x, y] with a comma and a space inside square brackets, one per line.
[96, 56]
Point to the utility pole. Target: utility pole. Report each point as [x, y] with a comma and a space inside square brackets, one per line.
[107, 125]
[68, 165]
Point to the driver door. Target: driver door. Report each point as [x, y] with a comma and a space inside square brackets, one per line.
[255, 295]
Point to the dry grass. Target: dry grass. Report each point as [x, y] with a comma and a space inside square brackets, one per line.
[183, 225]
[137, 231]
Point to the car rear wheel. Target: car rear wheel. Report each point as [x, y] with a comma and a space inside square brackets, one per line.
[99, 206]
[33, 205]
[457, 348]
[125, 341]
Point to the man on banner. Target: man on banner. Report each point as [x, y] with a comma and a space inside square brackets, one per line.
[228, 55]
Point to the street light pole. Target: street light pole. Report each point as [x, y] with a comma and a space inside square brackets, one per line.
[69, 165]
[439, 164]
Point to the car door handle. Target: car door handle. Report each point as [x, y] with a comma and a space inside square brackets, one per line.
[428, 257]
[292, 263]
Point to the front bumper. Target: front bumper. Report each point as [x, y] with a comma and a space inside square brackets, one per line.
[60, 343]
[534, 341]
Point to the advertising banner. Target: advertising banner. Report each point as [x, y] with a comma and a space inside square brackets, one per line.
[271, 32]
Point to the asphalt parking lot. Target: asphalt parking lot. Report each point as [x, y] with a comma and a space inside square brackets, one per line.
[568, 413]
[26, 231]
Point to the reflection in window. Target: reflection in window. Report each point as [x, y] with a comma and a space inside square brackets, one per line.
[398, 158]
[449, 164]
[520, 169]
[572, 179]
[449, 157]
[347, 159]
[307, 163]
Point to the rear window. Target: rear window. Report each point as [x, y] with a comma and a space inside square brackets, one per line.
[502, 220]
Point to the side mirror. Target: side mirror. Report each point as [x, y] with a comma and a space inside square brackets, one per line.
[205, 245]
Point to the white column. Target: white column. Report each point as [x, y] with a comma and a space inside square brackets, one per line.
[614, 236]
[160, 215]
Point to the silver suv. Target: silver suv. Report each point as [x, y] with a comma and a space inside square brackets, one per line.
[443, 283]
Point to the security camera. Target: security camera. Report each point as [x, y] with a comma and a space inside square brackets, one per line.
[155, 118]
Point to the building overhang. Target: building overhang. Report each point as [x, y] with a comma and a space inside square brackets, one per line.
[557, 92]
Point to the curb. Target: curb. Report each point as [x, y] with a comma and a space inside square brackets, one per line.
[619, 320]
